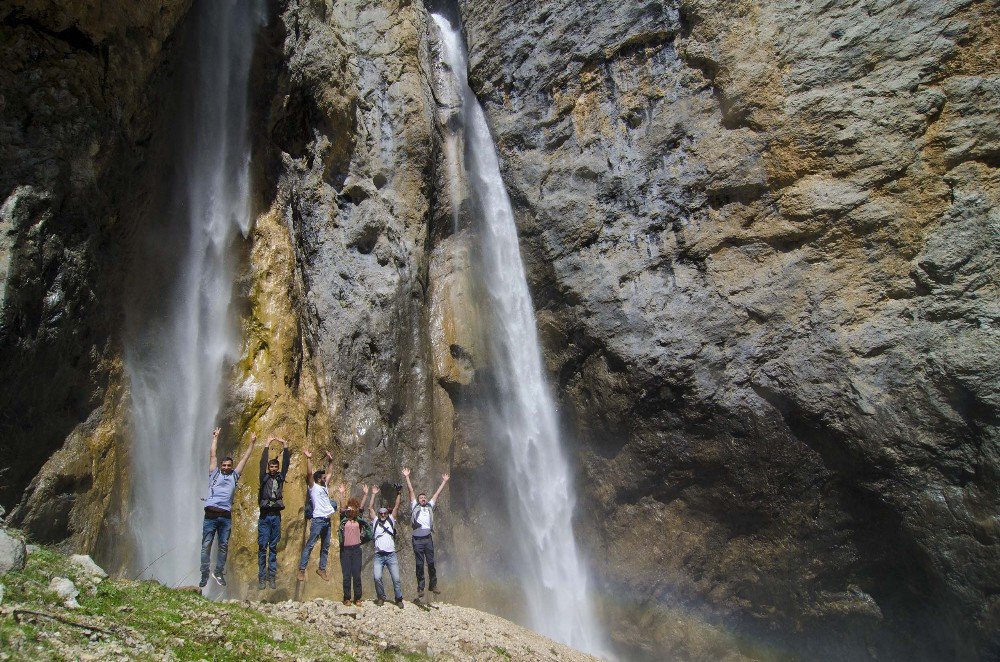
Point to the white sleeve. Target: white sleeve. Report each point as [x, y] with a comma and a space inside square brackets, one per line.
[431, 502]
[413, 504]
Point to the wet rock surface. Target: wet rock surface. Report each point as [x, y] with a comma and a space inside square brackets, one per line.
[765, 266]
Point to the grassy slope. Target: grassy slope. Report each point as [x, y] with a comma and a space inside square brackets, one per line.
[145, 620]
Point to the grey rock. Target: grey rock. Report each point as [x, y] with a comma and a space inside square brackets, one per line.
[12, 552]
[66, 590]
[87, 566]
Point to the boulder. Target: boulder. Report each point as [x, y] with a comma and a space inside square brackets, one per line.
[12, 552]
[66, 590]
[87, 566]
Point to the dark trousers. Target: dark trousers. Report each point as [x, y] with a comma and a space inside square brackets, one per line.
[268, 536]
[350, 566]
[423, 549]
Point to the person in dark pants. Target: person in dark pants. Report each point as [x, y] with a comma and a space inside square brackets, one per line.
[272, 483]
[222, 478]
[355, 530]
[422, 515]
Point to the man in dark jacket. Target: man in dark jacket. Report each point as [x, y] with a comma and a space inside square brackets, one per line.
[272, 483]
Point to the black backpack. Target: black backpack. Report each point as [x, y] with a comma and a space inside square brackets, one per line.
[265, 500]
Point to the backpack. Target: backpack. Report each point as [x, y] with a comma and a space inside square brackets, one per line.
[416, 511]
[266, 489]
[387, 527]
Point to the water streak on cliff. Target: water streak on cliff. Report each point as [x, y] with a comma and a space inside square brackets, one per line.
[177, 358]
[540, 491]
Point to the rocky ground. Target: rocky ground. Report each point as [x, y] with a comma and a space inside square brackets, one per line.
[55, 607]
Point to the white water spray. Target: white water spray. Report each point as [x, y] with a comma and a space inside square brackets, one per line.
[540, 490]
[176, 362]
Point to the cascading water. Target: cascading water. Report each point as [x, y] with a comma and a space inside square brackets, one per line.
[540, 492]
[176, 359]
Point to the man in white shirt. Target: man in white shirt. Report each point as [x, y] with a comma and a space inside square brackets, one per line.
[322, 509]
[384, 536]
[422, 513]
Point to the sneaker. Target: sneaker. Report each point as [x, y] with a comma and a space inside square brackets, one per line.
[204, 580]
[219, 578]
[271, 583]
[399, 602]
[302, 575]
[323, 573]
[357, 603]
[379, 602]
[347, 603]
[260, 584]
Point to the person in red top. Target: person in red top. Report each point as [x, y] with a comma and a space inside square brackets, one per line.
[354, 530]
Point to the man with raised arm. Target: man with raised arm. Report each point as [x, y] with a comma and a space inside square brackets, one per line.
[271, 499]
[222, 478]
[384, 536]
[422, 514]
[322, 510]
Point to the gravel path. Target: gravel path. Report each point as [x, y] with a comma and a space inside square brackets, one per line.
[448, 632]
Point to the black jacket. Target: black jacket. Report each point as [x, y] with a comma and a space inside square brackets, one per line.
[272, 503]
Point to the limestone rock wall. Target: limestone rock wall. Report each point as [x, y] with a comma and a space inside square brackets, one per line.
[74, 117]
[763, 241]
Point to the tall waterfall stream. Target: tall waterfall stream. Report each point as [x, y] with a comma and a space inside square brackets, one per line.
[176, 361]
[540, 492]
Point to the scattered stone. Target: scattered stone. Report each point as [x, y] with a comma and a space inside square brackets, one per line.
[85, 564]
[216, 621]
[343, 610]
[66, 590]
[278, 637]
[1, 594]
[31, 549]
[12, 552]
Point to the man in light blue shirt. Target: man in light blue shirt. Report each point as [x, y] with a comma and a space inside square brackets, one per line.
[222, 478]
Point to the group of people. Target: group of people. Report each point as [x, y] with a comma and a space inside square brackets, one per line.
[355, 530]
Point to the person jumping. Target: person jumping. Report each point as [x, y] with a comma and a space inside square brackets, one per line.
[422, 515]
[222, 478]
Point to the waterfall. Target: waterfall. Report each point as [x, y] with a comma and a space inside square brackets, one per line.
[176, 358]
[524, 424]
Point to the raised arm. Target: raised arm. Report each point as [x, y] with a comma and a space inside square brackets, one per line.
[395, 507]
[329, 469]
[309, 467]
[444, 479]
[409, 485]
[212, 462]
[264, 457]
[246, 455]
[364, 498]
[286, 456]
[371, 506]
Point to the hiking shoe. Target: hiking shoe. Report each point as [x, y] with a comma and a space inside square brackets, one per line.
[436, 591]
[271, 583]
[219, 578]
[323, 573]
[420, 595]
[399, 602]
[347, 603]
[302, 575]
[260, 584]
[204, 580]
[357, 603]
[379, 602]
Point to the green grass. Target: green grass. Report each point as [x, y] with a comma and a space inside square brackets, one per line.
[502, 652]
[144, 619]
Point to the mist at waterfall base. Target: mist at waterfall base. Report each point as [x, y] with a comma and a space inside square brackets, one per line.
[522, 417]
[182, 335]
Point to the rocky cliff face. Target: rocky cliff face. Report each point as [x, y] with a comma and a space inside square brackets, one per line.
[762, 238]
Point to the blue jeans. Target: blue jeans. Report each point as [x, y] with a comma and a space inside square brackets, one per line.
[212, 525]
[268, 535]
[389, 560]
[319, 528]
